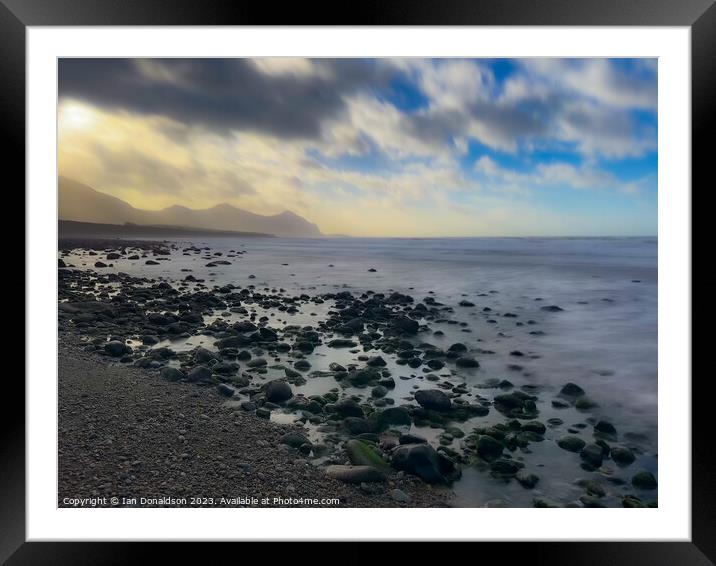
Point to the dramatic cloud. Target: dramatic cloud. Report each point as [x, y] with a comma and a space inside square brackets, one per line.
[222, 94]
[373, 147]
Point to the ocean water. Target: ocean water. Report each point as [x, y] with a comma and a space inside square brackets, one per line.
[605, 339]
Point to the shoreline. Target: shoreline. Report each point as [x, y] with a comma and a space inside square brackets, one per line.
[120, 435]
[370, 389]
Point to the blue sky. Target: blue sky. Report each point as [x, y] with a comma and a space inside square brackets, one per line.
[383, 147]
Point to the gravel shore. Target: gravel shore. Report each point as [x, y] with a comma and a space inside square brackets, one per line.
[126, 433]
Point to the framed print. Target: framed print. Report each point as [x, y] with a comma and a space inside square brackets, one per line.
[422, 276]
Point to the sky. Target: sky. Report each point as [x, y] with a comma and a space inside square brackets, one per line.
[374, 147]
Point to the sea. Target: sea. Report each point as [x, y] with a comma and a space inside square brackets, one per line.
[604, 338]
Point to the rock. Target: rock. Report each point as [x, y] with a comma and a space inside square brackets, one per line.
[433, 399]
[405, 325]
[268, 334]
[348, 408]
[552, 308]
[342, 343]
[467, 362]
[489, 448]
[591, 501]
[379, 391]
[353, 326]
[644, 480]
[333, 366]
[172, 374]
[400, 496]
[248, 406]
[100, 264]
[199, 373]
[435, 364]
[376, 361]
[116, 349]
[458, 347]
[592, 454]
[203, 356]
[245, 326]
[294, 439]
[420, 460]
[357, 425]
[363, 376]
[292, 374]
[504, 468]
[61, 263]
[535, 427]
[361, 453]
[571, 443]
[621, 455]
[526, 479]
[257, 363]
[263, 413]
[355, 474]
[632, 501]
[409, 438]
[226, 390]
[278, 391]
[151, 262]
[593, 488]
[393, 416]
[571, 390]
[302, 365]
[606, 428]
[466, 304]
[544, 502]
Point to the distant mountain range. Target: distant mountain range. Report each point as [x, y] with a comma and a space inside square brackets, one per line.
[81, 203]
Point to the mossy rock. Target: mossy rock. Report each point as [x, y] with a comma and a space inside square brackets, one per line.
[622, 456]
[644, 479]
[361, 453]
[571, 443]
[455, 432]
[544, 502]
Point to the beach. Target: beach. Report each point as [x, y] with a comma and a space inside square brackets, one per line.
[380, 372]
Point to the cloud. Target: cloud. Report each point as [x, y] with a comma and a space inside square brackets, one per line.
[369, 147]
[279, 97]
[341, 102]
[626, 84]
[557, 175]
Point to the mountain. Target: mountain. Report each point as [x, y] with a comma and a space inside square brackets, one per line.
[81, 203]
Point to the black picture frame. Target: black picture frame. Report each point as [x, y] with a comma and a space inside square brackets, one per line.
[699, 15]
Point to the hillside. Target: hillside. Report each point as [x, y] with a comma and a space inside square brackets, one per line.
[81, 203]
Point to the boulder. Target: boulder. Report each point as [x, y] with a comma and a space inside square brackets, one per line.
[172, 374]
[571, 443]
[278, 391]
[199, 373]
[420, 460]
[405, 325]
[117, 349]
[362, 453]
[433, 399]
